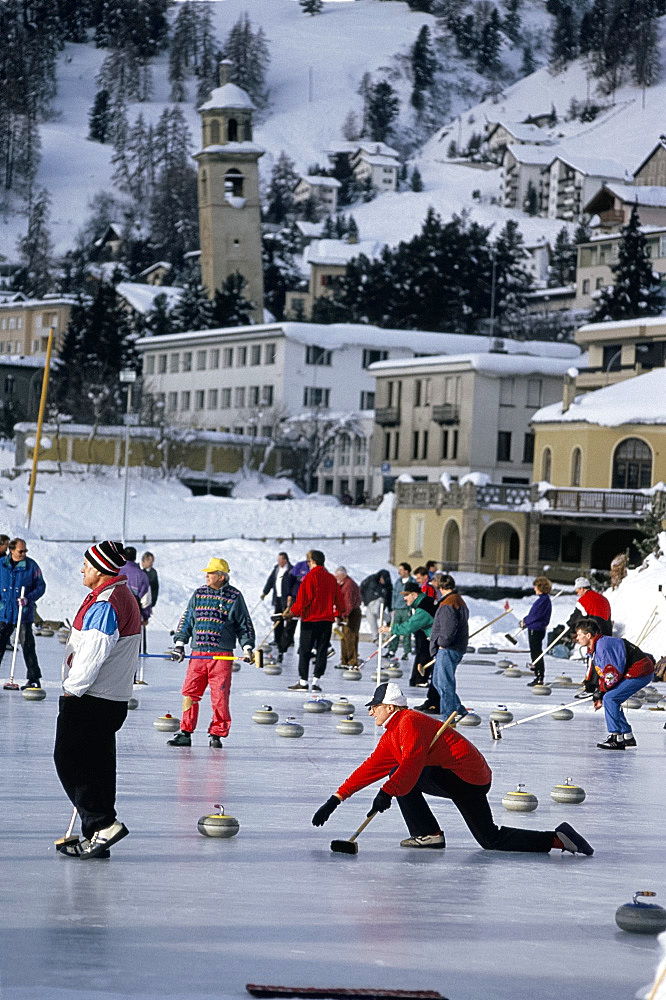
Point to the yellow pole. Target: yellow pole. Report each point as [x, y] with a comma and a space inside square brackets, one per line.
[40, 421]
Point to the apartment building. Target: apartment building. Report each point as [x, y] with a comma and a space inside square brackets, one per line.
[595, 261]
[324, 261]
[522, 166]
[620, 350]
[571, 180]
[24, 323]
[322, 190]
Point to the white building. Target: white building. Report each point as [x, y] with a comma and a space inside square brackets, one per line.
[322, 190]
[571, 180]
[523, 165]
[501, 134]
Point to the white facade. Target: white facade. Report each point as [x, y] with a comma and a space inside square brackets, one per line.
[523, 165]
[569, 183]
[322, 190]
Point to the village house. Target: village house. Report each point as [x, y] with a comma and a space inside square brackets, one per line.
[323, 191]
[596, 258]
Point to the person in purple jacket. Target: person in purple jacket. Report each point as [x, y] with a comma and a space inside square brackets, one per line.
[138, 582]
[536, 623]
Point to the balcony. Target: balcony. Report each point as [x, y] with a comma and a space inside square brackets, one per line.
[387, 416]
[608, 503]
[446, 413]
[433, 495]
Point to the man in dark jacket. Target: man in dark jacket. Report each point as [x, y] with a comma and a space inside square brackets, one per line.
[284, 585]
[422, 612]
[376, 590]
[17, 570]
[448, 642]
[148, 567]
[138, 582]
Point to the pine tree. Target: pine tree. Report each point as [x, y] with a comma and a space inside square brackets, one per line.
[194, 310]
[208, 53]
[351, 130]
[531, 203]
[645, 62]
[586, 33]
[352, 230]
[248, 51]
[563, 260]
[511, 24]
[651, 527]
[281, 272]
[565, 38]
[636, 289]
[157, 320]
[340, 225]
[311, 6]
[383, 109]
[328, 232]
[230, 307]
[349, 190]
[177, 75]
[424, 65]
[513, 282]
[582, 233]
[280, 196]
[527, 63]
[99, 119]
[416, 182]
[487, 58]
[36, 249]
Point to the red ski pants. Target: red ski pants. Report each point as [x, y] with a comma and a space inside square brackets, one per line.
[215, 674]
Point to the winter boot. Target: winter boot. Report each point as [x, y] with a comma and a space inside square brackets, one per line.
[315, 684]
[629, 740]
[427, 707]
[214, 741]
[612, 742]
[181, 739]
[298, 686]
[433, 840]
[572, 841]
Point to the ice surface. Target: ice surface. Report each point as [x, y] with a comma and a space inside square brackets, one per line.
[176, 915]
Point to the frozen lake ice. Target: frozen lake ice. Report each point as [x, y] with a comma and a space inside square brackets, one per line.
[175, 914]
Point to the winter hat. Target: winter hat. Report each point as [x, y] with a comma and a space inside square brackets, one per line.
[388, 694]
[106, 557]
[581, 581]
[216, 565]
[411, 587]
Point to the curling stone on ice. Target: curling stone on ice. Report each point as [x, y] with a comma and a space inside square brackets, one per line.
[235, 666]
[641, 918]
[542, 689]
[350, 726]
[352, 674]
[501, 714]
[562, 714]
[167, 723]
[218, 824]
[265, 716]
[633, 703]
[471, 649]
[34, 694]
[567, 792]
[505, 664]
[520, 801]
[393, 672]
[513, 671]
[652, 696]
[272, 669]
[487, 650]
[343, 707]
[132, 703]
[46, 632]
[317, 705]
[290, 728]
[471, 719]
[562, 681]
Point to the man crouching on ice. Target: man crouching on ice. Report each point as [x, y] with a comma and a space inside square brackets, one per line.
[419, 756]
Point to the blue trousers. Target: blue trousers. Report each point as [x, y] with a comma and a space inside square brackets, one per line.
[613, 699]
[444, 679]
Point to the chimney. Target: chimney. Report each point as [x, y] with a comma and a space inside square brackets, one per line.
[569, 388]
[225, 68]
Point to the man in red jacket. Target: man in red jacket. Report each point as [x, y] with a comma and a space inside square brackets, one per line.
[419, 756]
[317, 604]
[590, 604]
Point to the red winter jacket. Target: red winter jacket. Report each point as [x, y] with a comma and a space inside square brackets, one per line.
[592, 603]
[319, 598]
[350, 595]
[406, 742]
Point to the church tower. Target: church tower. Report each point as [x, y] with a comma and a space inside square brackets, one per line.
[228, 191]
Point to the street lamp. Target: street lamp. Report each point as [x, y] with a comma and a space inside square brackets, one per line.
[128, 376]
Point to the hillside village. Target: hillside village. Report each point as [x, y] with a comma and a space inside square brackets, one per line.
[449, 292]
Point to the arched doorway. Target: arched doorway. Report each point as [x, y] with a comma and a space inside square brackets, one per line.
[500, 548]
[610, 543]
[632, 465]
[451, 545]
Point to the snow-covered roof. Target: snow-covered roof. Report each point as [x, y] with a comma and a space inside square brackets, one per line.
[310, 229]
[142, 297]
[649, 156]
[519, 130]
[493, 365]
[649, 196]
[232, 147]
[379, 160]
[615, 324]
[638, 400]
[228, 96]
[317, 180]
[154, 267]
[339, 252]
[531, 155]
[105, 270]
[376, 148]
[19, 300]
[23, 360]
[593, 166]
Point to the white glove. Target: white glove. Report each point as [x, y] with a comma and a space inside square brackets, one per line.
[249, 654]
[178, 652]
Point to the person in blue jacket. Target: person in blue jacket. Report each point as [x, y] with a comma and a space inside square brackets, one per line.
[536, 623]
[17, 570]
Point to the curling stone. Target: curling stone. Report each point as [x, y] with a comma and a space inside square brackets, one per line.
[352, 674]
[562, 714]
[265, 716]
[501, 714]
[641, 918]
[505, 664]
[520, 801]
[652, 696]
[542, 689]
[640, 694]
[272, 669]
[34, 694]
[513, 671]
[343, 707]
[290, 729]
[567, 792]
[471, 719]
[661, 705]
[394, 672]
[487, 650]
[471, 649]
[132, 703]
[350, 726]
[46, 632]
[633, 703]
[317, 705]
[218, 824]
[235, 666]
[562, 681]
[36, 630]
[167, 723]
[63, 637]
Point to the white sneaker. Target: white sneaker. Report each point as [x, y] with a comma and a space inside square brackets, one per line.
[435, 840]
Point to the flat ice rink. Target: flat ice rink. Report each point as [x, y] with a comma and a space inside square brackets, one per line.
[173, 914]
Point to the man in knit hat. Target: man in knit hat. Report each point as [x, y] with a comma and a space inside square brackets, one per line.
[215, 618]
[99, 663]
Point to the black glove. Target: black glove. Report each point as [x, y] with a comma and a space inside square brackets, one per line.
[323, 813]
[178, 653]
[591, 685]
[380, 803]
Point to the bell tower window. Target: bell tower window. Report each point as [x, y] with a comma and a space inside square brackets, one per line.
[215, 132]
[233, 183]
[247, 130]
[232, 130]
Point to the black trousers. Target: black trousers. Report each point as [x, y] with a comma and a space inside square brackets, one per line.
[85, 757]
[27, 640]
[314, 636]
[472, 804]
[284, 630]
[422, 655]
[535, 639]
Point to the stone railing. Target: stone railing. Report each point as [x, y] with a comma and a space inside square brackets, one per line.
[573, 500]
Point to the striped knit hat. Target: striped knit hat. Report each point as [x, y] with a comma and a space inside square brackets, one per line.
[107, 557]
